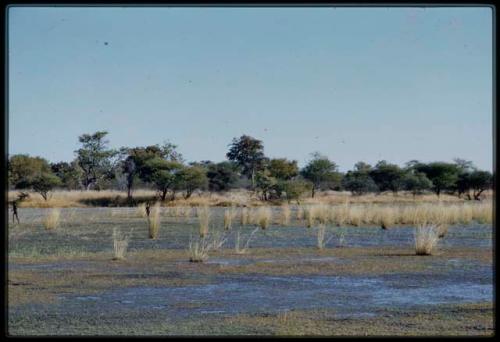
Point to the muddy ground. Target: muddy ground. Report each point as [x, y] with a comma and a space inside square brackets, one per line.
[366, 281]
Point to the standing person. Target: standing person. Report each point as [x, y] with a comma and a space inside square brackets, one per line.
[14, 212]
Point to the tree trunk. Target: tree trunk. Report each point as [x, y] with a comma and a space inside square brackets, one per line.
[313, 191]
[163, 195]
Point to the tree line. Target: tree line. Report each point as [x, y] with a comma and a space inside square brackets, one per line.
[162, 167]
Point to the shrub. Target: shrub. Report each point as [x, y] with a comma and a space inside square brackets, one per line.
[426, 238]
[51, 220]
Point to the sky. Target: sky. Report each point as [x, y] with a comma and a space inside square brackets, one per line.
[355, 84]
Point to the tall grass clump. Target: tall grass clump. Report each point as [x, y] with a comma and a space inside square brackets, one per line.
[482, 212]
[141, 210]
[244, 216]
[237, 245]
[51, 220]
[321, 236]
[264, 217]
[285, 215]
[426, 238]
[300, 213]
[229, 215]
[198, 250]
[387, 217]
[154, 221]
[120, 245]
[203, 214]
[355, 216]
[309, 216]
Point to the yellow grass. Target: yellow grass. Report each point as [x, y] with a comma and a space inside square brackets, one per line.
[229, 215]
[203, 214]
[263, 217]
[285, 215]
[51, 220]
[244, 216]
[154, 221]
[120, 244]
[238, 197]
[426, 238]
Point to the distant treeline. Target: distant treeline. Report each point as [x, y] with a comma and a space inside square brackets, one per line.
[161, 167]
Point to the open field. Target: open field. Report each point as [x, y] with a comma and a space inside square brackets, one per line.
[365, 280]
[112, 198]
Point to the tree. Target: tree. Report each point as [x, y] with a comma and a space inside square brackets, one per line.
[192, 178]
[35, 173]
[70, 174]
[162, 174]
[416, 182]
[388, 177]
[320, 170]
[265, 183]
[22, 169]
[221, 176]
[479, 182]
[134, 159]
[443, 176]
[248, 153]
[95, 159]
[359, 182]
[44, 183]
[283, 169]
[294, 189]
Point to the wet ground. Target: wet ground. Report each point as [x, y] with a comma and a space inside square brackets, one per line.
[281, 282]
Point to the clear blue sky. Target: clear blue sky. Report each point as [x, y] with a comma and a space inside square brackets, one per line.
[352, 83]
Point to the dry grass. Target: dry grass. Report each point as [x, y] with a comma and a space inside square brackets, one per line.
[203, 214]
[386, 217]
[426, 238]
[244, 216]
[198, 250]
[120, 245]
[229, 215]
[285, 215]
[321, 236]
[300, 213]
[52, 219]
[237, 247]
[238, 197]
[141, 210]
[263, 217]
[154, 221]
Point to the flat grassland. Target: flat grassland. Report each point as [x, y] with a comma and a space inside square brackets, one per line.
[96, 271]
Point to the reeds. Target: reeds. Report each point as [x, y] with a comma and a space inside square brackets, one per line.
[263, 217]
[203, 214]
[141, 210]
[426, 238]
[237, 247]
[386, 217]
[285, 215]
[218, 240]
[154, 221]
[120, 245]
[198, 250]
[244, 216]
[51, 220]
[300, 213]
[229, 215]
[321, 236]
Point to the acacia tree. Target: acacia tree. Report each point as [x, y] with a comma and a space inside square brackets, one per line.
[70, 174]
[443, 176]
[35, 173]
[192, 178]
[95, 159]
[221, 176]
[479, 182]
[320, 170]
[416, 182]
[388, 177]
[133, 161]
[248, 153]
